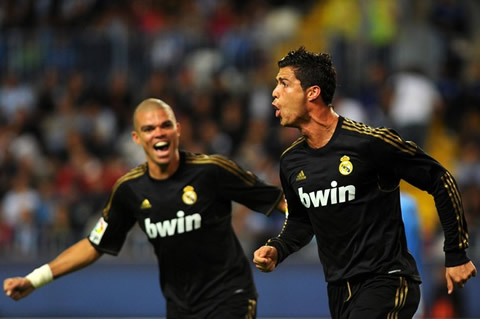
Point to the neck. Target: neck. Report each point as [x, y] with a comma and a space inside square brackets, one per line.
[163, 171]
[319, 130]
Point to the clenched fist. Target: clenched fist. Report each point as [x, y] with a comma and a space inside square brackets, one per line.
[17, 287]
[265, 258]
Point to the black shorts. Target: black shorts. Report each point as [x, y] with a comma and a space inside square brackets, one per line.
[381, 296]
[237, 306]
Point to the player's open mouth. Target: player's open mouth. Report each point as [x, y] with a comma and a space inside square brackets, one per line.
[161, 146]
[277, 112]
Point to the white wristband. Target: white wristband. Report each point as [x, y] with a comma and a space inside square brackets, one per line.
[40, 276]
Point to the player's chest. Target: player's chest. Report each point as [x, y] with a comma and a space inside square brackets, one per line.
[330, 179]
[174, 209]
[178, 198]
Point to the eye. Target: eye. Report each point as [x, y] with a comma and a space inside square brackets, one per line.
[147, 128]
[167, 124]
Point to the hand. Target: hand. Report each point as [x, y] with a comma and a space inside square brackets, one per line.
[265, 258]
[459, 275]
[17, 288]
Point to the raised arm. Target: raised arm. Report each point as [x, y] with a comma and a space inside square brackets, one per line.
[74, 258]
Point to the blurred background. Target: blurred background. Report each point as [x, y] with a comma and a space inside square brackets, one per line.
[72, 71]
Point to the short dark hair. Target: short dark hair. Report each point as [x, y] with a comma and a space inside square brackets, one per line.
[312, 69]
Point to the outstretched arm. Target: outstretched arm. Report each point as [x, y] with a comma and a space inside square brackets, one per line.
[74, 258]
[459, 275]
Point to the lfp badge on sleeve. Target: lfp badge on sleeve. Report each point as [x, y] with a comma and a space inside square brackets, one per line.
[97, 232]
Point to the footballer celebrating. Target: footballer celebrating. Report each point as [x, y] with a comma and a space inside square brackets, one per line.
[341, 182]
[182, 201]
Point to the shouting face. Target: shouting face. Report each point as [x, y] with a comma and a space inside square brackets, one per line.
[158, 132]
[289, 98]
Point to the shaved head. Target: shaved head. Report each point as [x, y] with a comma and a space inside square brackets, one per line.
[152, 104]
[157, 131]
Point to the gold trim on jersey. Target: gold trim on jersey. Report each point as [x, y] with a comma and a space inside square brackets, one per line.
[252, 309]
[400, 299]
[454, 194]
[285, 222]
[134, 173]
[349, 289]
[298, 141]
[224, 163]
[384, 134]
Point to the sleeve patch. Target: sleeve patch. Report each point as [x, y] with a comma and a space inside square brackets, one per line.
[98, 231]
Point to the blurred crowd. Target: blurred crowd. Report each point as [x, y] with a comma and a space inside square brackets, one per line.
[72, 71]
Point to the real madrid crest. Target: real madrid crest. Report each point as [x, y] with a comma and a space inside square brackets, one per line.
[189, 196]
[345, 167]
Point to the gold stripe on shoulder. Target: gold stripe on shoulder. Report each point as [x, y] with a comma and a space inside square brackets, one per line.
[298, 141]
[224, 163]
[134, 173]
[384, 134]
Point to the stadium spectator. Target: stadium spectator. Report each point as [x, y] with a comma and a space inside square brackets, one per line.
[413, 103]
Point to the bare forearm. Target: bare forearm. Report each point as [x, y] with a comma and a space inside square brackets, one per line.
[74, 258]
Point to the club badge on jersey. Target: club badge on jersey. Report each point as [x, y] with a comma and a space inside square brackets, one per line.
[346, 167]
[189, 196]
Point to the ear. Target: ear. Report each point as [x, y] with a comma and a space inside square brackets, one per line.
[135, 137]
[313, 92]
[179, 129]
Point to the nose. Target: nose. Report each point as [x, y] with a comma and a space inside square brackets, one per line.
[159, 131]
[275, 92]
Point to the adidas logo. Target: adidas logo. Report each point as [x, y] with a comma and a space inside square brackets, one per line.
[301, 176]
[145, 204]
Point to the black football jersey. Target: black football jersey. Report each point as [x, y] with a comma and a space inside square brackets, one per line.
[346, 194]
[187, 219]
